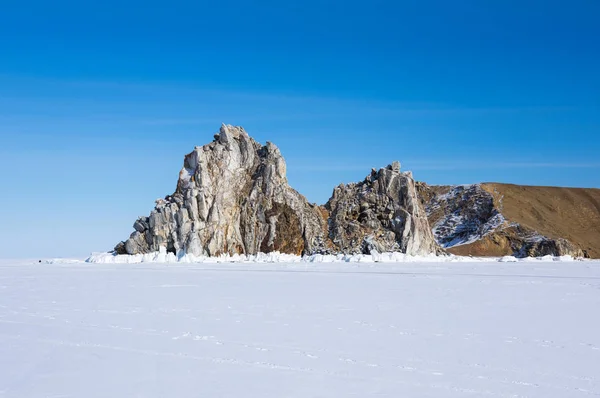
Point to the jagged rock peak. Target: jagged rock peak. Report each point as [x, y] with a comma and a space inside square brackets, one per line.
[227, 132]
[382, 213]
[232, 197]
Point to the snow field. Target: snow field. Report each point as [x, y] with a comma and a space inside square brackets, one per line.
[485, 329]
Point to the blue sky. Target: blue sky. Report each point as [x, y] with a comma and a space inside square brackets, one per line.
[99, 103]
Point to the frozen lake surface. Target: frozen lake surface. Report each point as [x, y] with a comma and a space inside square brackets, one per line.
[528, 329]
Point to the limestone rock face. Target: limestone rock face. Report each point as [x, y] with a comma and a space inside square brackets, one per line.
[232, 197]
[381, 213]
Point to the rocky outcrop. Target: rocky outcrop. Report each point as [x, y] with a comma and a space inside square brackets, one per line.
[232, 197]
[381, 213]
[460, 214]
[471, 220]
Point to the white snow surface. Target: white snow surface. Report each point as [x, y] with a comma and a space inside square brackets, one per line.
[300, 329]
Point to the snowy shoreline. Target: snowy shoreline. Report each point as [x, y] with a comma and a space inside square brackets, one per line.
[162, 257]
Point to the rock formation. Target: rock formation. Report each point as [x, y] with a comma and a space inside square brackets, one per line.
[381, 213]
[471, 220]
[232, 197]
[460, 214]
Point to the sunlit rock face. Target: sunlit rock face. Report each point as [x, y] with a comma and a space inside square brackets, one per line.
[381, 213]
[232, 197]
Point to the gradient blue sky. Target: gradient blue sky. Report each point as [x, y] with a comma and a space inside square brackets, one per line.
[99, 103]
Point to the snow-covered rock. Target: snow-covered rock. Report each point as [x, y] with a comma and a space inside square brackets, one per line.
[467, 213]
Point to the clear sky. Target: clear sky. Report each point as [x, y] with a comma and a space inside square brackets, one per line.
[99, 102]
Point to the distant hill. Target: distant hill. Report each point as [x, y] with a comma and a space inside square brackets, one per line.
[492, 219]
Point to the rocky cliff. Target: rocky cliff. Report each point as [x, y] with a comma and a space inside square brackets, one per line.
[233, 197]
[500, 219]
[381, 213]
